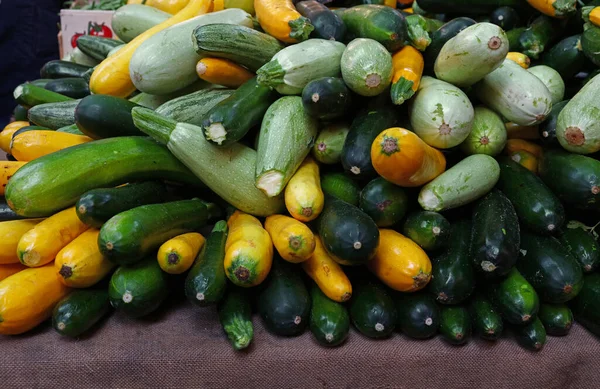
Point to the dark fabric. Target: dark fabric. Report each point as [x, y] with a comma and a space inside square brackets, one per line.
[183, 347]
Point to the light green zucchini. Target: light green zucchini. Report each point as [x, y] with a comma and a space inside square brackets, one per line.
[53, 115]
[488, 135]
[552, 79]
[367, 67]
[154, 101]
[131, 20]
[78, 56]
[192, 107]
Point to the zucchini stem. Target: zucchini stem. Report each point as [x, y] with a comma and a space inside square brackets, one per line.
[270, 183]
[157, 126]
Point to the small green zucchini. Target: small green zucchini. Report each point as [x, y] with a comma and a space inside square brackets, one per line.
[556, 318]
[515, 298]
[488, 134]
[531, 336]
[513, 38]
[30, 95]
[585, 306]
[193, 107]
[366, 67]
[235, 315]
[417, 315]
[61, 69]
[430, 230]
[341, 186]
[384, 202]
[505, 17]
[552, 79]
[329, 143]
[73, 87]
[79, 311]
[581, 244]
[455, 324]
[487, 321]
[540, 34]
[566, 57]
[372, 309]
[327, 24]
[326, 98]
[20, 113]
[329, 320]
[53, 115]
[590, 44]
[104, 116]
[97, 47]
[378, 22]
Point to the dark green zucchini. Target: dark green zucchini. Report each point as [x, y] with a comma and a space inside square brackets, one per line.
[531, 336]
[537, 207]
[329, 143]
[79, 311]
[515, 298]
[582, 245]
[452, 276]
[586, 306]
[341, 186]
[231, 119]
[539, 35]
[356, 153]
[496, 240]
[235, 315]
[417, 315]
[6, 213]
[327, 24]
[139, 289]
[549, 267]
[466, 6]
[379, 22]
[103, 116]
[30, 95]
[62, 69]
[514, 44]
[326, 98]
[430, 230]
[97, 206]
[556, 318]
[131, 235]
[487, 321]
[372, 309]
[384, 202]
[71, 129]
[41, 82]
[97, 47]
[455, 324]
[505, 17]
[590, 44]
[441, 36]
[329, 320]
[206, 281]
[566, 57]
[284, 303]
[74, 87]
[53, 115]
[20, 113]
[348, 234]
[547, 129]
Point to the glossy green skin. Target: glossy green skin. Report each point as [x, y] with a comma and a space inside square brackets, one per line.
[590, 43]
[418, 316]
[20, 113]
[56, 181]
[505, 17]
[441, 36]
[206, 281]
[430, 230]
[496, 235]
[384, 202]
[341, 186]
[62, 69]
[583, 247]
[32, 95]
[537, 207]
[372, 309]
[378, 22]
[549, 267]
[284, 302]
[540, 34]
[455, 324]
[344, 227]
[566, 57]
[240, 112]
[97, 47]
[131, 235]
[327, 24]
[586, 306]
[466, 6]
[333, 98]
[574, 178]
[513, 38]
[72, 129]
[329, 143]
[97, 206]
[356, 153]
[103, 116]
[6, 213]
[556, 318]
[515, 298]
[452, 276]
[329, 320]
[235, 315]
[138, 289]
[531, 336]
[53, 115]
[79, 311]
[547, 128]
[487, 321]
[74, 87]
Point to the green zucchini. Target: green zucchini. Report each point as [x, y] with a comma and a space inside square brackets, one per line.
[566, 57]
[590, 44]
[74, 87]
[556, 318]
[514, 44]
[88, 74]
[138, 289]
[466, 6]
[206, 281]
[131, 20]
[230, 119]
[103, 116]
[286, 136]
[79, 311]
[552, 79]
[71, 129]
[531, 336]
[430, 230]
[547, 128]
[463, 183]
[79, 57]
[41, 82]
[582, 245]
[97, 47]
[455, 324]
[329, 143]
[440, 37]
[131, 235]
[240, 44]
[585, 306]
[53, 115]
[384, 202]
[367, 66]
[327, 24]
[326, 98]
[213, 165]
[284, 303]
[341, 186]
[20, 113]
[417, 315]
[6, 213]
[488, 134]
[487, 321]
[505, 17]
[30, 95]
[496, 235]
[97, 206]
[372, 309]
[417, 30]
[329, 320]
[540, 33]
[515, 298]
[235, 315]
[378, 22]
[348, 234]
[62, 69]
[192, 108]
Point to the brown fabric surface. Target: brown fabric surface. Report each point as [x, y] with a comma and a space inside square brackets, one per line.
[183, 347]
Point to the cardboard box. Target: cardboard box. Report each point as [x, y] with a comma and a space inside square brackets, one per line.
[77, 22]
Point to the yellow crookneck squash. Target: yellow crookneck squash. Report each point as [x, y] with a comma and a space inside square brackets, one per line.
[280, 19]
[7, 133]
[293, 240]
[11, 232]
[328, 274]
[168, 6]
[304, 198]
[177, 255]
[408, 69]
[221, 71]
[31, 145]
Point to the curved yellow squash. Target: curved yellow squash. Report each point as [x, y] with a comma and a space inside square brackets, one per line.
[177, 255]
[221, 71]
[168, 6]
[280, 19]
[7, 169]
[293, 240]
[10, 269]
[328, 274]
[11, 233]
[31, 145]
[7, 133]
[27, 299]
[111, 77]
[304, 197]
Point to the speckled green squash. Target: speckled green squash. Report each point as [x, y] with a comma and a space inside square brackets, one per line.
[552, 79]
[488, 135]
[367, 67]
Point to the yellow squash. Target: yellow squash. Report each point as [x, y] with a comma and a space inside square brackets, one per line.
[80, 264]
[177, 255]
[304, 198]
[248, 250]
[111, 77]
[515, 131]
[594, 16]
[555, 8]
[8, 270]
[390, 3]
[168, 6]
[27, 299]
[513, 145]
[7, 133]
[7, 169]
[10, 234]
[293, 240]
[525, 159]
[408, 68]
[40, 245]
[221, 71]
[328, 274]
[30, 145]
[400, 263]
[519, 58]
[280, 19]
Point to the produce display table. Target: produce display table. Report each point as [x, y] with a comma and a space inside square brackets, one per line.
[183, 347]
